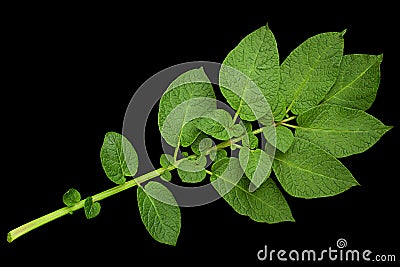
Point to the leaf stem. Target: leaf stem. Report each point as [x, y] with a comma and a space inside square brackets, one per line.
[236, 115]
[23, 229]
[289, 125]
[285, 120]
[27, 227]
[257, 131]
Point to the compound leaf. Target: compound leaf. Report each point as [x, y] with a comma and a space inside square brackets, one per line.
[159, 212]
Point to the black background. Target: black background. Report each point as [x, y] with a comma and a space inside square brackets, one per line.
[71, 72]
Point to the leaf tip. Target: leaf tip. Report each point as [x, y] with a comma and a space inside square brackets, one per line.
[388, 128]
[342, 33]
[172, 243]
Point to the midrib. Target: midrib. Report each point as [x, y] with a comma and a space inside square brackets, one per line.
[350, 83]
[249, 75]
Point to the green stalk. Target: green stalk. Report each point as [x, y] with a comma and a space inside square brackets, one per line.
[285, 120]
[25, 228]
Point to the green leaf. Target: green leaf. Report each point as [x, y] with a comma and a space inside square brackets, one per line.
[249, 71]
[339, 130]
[307, 171]
[187, 97]
[204, 145]
[216, 155]
[166, 175]
[118, 157]
[166, 160]
[193, 165]
[237, 130]
[256, 165]
[310, 70]
[279, 108]
[92, 209]
[195, 145]
[266, 204]
[159, 212]
[251, 141]
[71, 197]
[189, 132]
[217, 123]
[357, 82]
[192, 177]
[284, 138]
[192, 170]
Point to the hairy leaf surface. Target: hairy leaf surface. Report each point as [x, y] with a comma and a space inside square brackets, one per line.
[357, 82]
[310, 70]
[118, 157]
[162, 219]
[339, 130]
[307, 171]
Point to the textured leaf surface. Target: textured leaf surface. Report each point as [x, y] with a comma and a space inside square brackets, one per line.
[189, 132]
[92, 209]
[339, 130]
[166, 160]
[284, 138]
[187, 97]
[204, 145]
[251, 141]
[218, 155]
[251, 71]
[217, 123]
[167, 176]
[195, 145]
[192, 177]
[357, 82]
[266, 204]
[307, 171]
[71, 197]
[256, 165]
[193, 165]
[118, 157]
[162, 220]
[310, 70]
